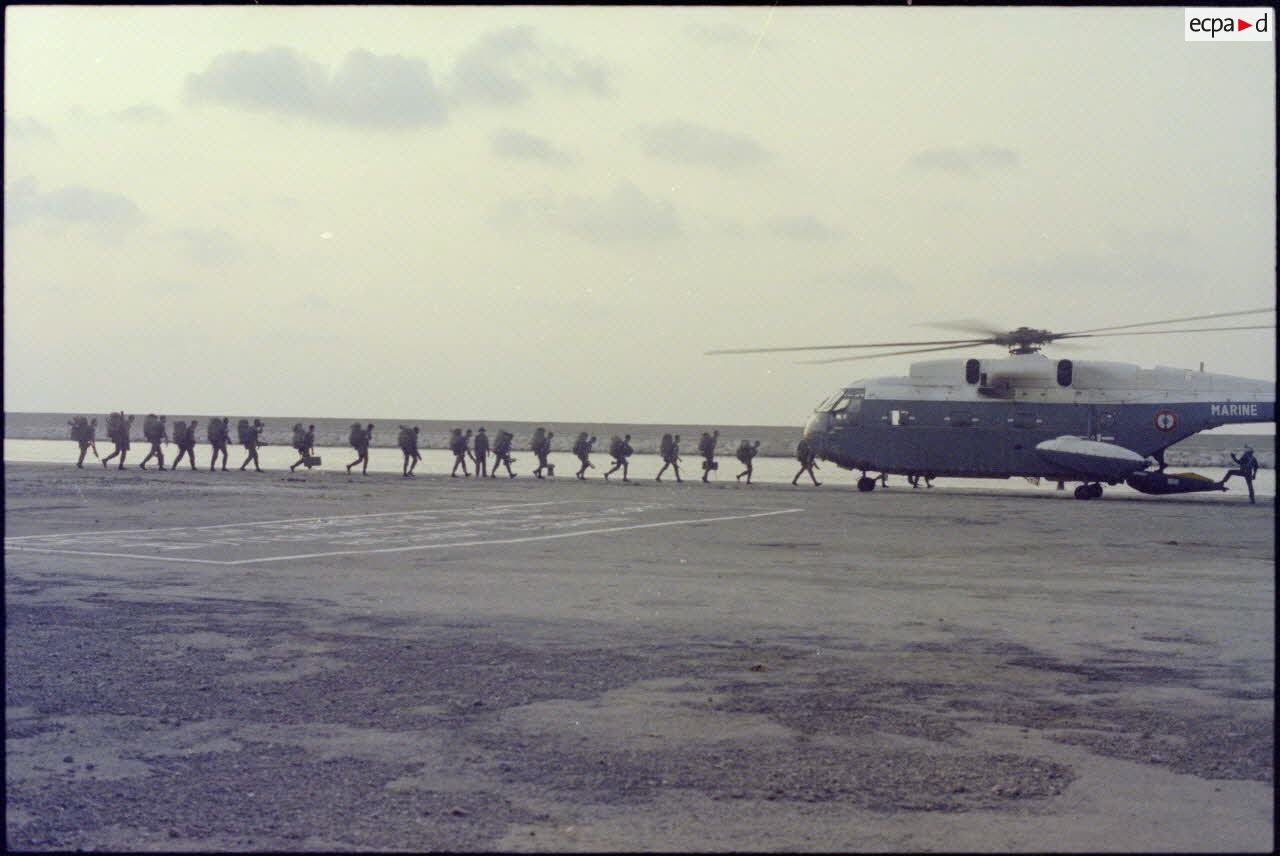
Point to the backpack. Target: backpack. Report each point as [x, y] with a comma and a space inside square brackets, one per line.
[180, 432]
[356, 437]
[745, 451]
[457, 444]
[616, 446]
[803, 452]
[580, 448]
[405, 438]
[539, 441]
[665, 447]
[706, 445]
[300, 438]
[244, 432]
[216, 431]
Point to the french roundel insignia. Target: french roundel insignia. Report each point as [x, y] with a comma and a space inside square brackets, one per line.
[1165, 420]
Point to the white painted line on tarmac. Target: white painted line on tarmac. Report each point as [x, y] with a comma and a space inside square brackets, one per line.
[485, 508]
[414, 547]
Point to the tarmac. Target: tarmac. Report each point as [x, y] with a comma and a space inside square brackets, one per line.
[241, 661]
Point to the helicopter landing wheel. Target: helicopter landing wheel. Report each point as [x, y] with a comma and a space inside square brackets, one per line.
[1089, 491]
[866, 484]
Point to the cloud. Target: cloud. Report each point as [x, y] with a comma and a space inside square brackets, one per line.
[75, 204]
[627, 215]
[520, 145]
[211, 248]
[686, 142]
[142, 113]
[26, 128]
[967, 160]
[366, 89]
[505, 66]
[804, 227]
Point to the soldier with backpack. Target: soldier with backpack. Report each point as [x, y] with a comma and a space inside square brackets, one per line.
[302, 441]
[619, 449]
[155, 432]
[582, 449]
[460, 445]
[669, 448]
[540, 445]
[808, 461]
[707, 447]
[408, 442]
[251, 439]
[83, 431]
[218, 433]
[185, 438]
[502, 453]
[360, 438]
[481, 453]
[118, 430]
[746, 453]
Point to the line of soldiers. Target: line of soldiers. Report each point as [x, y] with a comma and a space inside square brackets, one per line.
[461, 444]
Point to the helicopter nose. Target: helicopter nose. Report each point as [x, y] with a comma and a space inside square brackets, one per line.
[815, 430]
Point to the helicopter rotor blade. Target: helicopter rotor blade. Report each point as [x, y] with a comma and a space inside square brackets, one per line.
[1164, 332]
[889, 354]
[1172, 321]
[965, 325]
[951, 342]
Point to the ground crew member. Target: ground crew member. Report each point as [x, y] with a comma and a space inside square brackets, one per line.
[186, 443]
[251, 439]
[219, 434]
[707, 446]
[360, 439]
[155, 432]
[620, 450]
[582, 448]
[502, 453]
[746, 453]
[118, 430]
[808, 461]
[480, 453]
[1247, 467]
[670, 451]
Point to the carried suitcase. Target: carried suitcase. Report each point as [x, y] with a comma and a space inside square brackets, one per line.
[311, 460]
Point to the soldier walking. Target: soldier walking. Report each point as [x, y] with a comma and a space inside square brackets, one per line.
[218, 433]
[459, 444]
[747, 452]
[669, 448]
[540, 445]
[619, 449]
[118, 430]
[502, 453]
[582, 449]
[707, 447]
[83, 431]
[1247, 468]
[360, 438]
[251, 439]
[808, 461]
[154, 430]
[408, 442]
[186, 440]
[480, 453]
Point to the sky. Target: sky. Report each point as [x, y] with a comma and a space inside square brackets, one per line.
[552, 213]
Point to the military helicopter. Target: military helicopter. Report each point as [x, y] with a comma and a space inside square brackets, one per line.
[1028, 415]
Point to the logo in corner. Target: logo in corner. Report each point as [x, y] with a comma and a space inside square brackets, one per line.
[1216, 24]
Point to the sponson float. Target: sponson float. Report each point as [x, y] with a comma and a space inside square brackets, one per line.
[1027, 415]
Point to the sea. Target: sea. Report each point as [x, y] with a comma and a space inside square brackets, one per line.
[43, 438]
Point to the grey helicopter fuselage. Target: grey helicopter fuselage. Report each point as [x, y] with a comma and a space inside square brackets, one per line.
[1028, 415]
